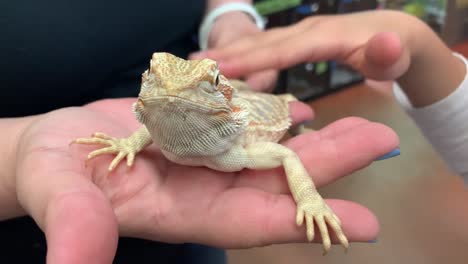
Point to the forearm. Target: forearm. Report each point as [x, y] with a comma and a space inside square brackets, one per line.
[12, 129]
[434, 72]
[434, 92]
[444, 124]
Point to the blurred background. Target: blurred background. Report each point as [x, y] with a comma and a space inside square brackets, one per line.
[421, 205]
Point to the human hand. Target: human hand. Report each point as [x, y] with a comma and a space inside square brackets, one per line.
[83, 209]
[233, 26]
[370, 42]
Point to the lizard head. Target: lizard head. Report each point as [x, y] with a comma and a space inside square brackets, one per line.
[189, 95]
[195, 82]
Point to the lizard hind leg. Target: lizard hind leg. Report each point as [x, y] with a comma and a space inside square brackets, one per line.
[311, 207]
[124, 147]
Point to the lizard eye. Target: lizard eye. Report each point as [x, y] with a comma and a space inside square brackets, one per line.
[217, 79]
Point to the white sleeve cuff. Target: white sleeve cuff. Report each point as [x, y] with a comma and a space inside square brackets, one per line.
[209, 19]
[444, 124]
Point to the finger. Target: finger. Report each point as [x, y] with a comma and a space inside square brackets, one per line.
[76, 218]
[258, 60]
[330, 131]
[353, 143]
[353, 149]
[266, 39]
[263, 81]
[300, 112]
[245, 44]
[381, 58]
[80, 228]
[384, 49]
[256, 218]
[293, 50]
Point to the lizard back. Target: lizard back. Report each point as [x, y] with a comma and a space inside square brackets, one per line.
[268, 118]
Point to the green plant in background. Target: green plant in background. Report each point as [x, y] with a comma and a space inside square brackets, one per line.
[321, 68]
[421, 8]
[415, 8]
[267, 7]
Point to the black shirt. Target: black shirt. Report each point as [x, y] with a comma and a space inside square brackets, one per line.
[60, 53]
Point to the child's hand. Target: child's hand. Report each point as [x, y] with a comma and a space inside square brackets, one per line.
[382, 45]
[362, 40]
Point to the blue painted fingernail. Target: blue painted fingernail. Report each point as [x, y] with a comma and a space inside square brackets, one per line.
[373, 241]
[391, 154]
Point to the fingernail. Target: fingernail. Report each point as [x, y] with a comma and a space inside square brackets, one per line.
[373, 241]
[391, 154]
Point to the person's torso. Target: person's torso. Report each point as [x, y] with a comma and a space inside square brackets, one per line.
[62, 53]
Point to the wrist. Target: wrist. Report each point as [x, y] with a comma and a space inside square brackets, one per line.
[12, 131]
[434, 72]
[227, 9]
[231, 23]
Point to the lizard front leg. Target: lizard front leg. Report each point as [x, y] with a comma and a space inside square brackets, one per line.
[125, 147]
[310, 205]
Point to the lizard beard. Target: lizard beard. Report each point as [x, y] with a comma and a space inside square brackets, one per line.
[190, 132]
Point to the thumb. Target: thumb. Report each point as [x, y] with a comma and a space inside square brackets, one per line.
[383, 57]
[76, 217]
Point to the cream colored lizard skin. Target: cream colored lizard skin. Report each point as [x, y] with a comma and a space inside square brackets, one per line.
[197, 117]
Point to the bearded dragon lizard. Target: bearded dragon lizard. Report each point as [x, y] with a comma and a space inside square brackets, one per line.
[198, 117]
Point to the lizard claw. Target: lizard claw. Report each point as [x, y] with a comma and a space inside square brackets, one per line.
[120, 146]
[314, 209]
